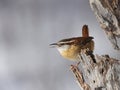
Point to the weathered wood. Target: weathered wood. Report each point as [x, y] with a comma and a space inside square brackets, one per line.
[107, 13]
[105, 73]
[102, 75]
[79, 76]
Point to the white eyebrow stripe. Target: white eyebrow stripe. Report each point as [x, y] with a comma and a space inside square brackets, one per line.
[66, 42]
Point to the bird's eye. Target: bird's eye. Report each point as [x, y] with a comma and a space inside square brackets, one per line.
[60, 45]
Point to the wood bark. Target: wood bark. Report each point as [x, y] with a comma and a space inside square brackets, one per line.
[102, 75]
[105, 73]
[107, 13]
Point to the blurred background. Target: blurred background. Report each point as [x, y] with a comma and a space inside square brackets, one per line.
[27, 27]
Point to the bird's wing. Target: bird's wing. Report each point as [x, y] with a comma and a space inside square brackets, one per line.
[85, 40]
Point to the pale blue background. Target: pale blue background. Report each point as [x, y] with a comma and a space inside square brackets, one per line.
[27, 27]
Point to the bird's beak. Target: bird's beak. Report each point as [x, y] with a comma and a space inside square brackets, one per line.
[53, 45]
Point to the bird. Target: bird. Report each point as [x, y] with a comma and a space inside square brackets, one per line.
[70, 48]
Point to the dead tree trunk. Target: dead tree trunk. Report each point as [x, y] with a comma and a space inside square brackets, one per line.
[107, 13]
[102, 75]
[105, 73]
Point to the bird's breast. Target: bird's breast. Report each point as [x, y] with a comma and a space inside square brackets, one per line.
[69, 52]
